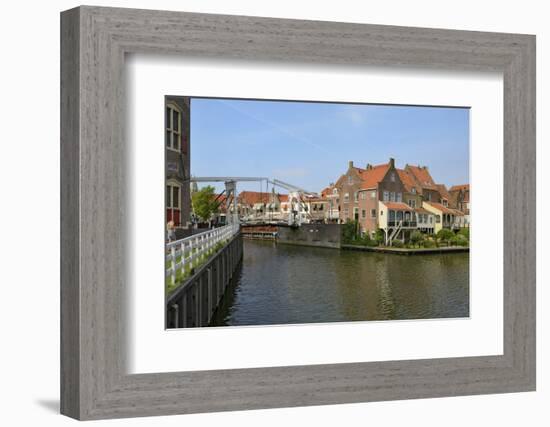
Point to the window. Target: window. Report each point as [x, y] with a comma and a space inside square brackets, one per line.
[399, 197]
[363, 195]
[431, 219]
[392, 196]
[363, 214]
[437, 219]
[412, 203]
[350, 179]
[356, 196]
[172, 196]
[173, 128]
[346, 197]
[173, 199]
[321, 207]
[334, 191]
[429, 197]
[392, 177]
[373, 213]
[444, 202]
[413, 190]
[356, 213]
[373, 194]
[386, 196]
[346, 212]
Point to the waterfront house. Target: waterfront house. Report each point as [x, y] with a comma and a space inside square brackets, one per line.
[363, 194]
[460, 200]
[330, 195]
[425, 220]
[177, 170]
[444, 216]
[397, 220]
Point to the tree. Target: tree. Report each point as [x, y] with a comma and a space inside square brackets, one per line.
[204, 202]
[444, 235]
[416, 237]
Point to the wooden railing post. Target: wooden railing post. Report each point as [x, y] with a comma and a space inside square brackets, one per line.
[173, 253]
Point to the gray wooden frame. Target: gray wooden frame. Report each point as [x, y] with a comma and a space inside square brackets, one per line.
[94, 41]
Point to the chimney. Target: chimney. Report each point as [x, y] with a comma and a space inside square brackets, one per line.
[392, 162]
[331, 184]
[350, 163]
[369, 166]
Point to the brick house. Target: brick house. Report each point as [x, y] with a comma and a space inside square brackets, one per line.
[460, 200]
[177, 163]
[392, 199]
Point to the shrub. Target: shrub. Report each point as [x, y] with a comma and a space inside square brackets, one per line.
[464, 232]
[379, 236]
[349, 231]
[444, 235]
[397, 244]
[461, 240]
[428, 243]
[416, 237]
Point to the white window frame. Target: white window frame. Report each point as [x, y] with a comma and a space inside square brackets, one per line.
[174, 134]
[170, 202]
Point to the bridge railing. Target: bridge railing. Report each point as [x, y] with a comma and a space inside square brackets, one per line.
[185, 254]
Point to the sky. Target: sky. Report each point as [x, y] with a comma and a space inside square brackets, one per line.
[309, 144]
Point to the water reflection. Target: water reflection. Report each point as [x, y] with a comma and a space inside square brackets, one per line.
[281, 284]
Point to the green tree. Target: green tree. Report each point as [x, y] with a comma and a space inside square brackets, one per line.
[444, 235]
[416, 238]
[204, 202]
[465, 232]
[349, 231]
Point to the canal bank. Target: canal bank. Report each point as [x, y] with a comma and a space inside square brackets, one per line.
[407, 251]
[286, 284]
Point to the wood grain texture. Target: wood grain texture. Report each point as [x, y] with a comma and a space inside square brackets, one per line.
[94, 382]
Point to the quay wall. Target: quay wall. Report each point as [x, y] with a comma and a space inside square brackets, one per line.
[195, 302]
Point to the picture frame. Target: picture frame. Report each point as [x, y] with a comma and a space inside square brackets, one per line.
[94, 380]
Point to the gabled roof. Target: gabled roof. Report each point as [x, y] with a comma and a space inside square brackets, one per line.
[372, 176]
[464, 187]
[422, 176]
[441, 208]
[443, 191]
[408, 181]
[423, 211]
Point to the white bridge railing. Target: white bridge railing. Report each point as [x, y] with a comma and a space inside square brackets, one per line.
[185, 254]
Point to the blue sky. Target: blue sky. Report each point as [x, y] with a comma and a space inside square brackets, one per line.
[310, 144]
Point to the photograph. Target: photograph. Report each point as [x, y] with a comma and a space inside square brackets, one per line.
[294, 212]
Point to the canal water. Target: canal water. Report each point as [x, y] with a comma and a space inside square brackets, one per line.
[282, 284]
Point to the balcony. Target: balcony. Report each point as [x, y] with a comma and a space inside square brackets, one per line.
[404, 224]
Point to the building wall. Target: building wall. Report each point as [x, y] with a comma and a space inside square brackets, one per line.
[368, 204]
[349, 183]
[178, 163]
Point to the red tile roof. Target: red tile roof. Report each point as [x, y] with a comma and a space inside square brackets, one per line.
[443, 191]
[442, 208]
[422, 176]
[460, 187]
[408, 181]
[253, 197]
[372, 176]
[398, 206]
